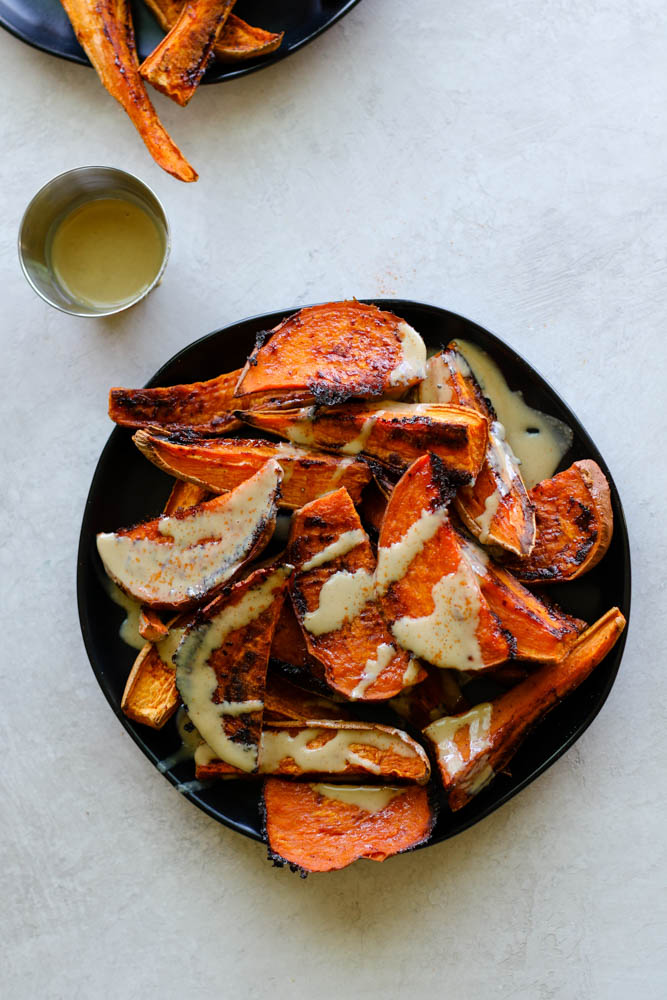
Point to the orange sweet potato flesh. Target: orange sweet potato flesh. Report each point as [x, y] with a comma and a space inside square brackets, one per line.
[290, 652]
[237, 40]
[361, 638]
[105, 32]
[178, 63]
[395, 434]
[574, 525]
[424, 493]
[328, 354]
[316, 833]
[221, 465]
[284, 701]
[151, 626]
[516, 712]
[184, 495]
[203, 407]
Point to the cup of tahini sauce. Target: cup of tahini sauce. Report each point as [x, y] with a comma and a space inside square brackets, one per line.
[94, 241]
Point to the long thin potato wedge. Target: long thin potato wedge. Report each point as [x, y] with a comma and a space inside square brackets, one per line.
[334, 598]
[236, 42]
[104, 30]
[334, 352]
[203, 407]
[393, 433]
[428, 592]
[473, 747]
[322, 828]
[221, 465]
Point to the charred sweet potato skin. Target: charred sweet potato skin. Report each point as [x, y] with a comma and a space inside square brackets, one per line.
[236, 41]
[574, 525]
[284, 702]
[313, 833]
[202, 407]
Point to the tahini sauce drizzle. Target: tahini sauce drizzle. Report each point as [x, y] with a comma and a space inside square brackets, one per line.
[370, 798]
[332, 757]
[412, 365]
[345, 542]
[129, 629]
[538, 440]
[505, 467]
[341, 599]
[394, 560]
[443, 733]
[384, 654]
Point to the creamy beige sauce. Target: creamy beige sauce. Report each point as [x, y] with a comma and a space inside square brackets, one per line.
[300, 430]
[333, 757]
[190, 740]
[436, 388]
[197, 681]
[129, 629]
[447, 637]
[443, 733]
[411, 672]
[476, 558]
[412, 365]
[345, 542]
[341, 599]
[167, 647]
[538, 440]
[341, 468]
[384, 654]
[505, 468]
[394, 560]
[370, 798]
[206, 549]
[358, 443]
[106, 252]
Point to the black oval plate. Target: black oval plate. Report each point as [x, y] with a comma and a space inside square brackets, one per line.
[127, 489]
[45, 25]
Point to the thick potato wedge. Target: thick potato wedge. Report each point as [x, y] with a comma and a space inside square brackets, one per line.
[334, 352]
[174, 563]
[437, 695]
[473, 747]
[393, 433]
[329, 748]
[222, 661]
[184, 495]
[203, 407]
[290, 656]
[236, 42]
[540, 631]
[449, 379]
[322, 828]
[428, 593]
[104, 30]
[574, 525]
[221, 465]
[151, 696]
[333, 595]
[284, 701]
[178, 63]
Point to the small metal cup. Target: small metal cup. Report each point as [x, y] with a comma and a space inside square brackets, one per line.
[53, 202]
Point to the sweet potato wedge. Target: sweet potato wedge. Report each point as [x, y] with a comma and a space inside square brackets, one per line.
[202, 407]
[334, 352]
[437, 695]
[221, 465]
[428, 593]
[289, 654]
[151, 626]
[222, 661]
[284, 701]
[473, 747]
[393, 433]
[236, 42]
[574, 525]
[151, 696]
[178, 63]
[173, 563]
[540, 631]
[372, 508]
[185, 495]
[329, 748]
[333, 595]
[104, 30]
[322, 828]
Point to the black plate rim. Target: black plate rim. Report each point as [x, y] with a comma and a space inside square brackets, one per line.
[267, 320]
[225, 71]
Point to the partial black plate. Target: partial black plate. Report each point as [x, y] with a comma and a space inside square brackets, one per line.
[127, 489]
[44, 25]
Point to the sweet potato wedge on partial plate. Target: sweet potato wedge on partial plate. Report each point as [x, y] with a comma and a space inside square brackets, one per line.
[151, 696]
[437, 695]
[473, 747]
[236, 42]
[284, 702]
[203, 407]
[334, 352]
[221, 465]
[574, 525]
[174, 563]
[324, 827]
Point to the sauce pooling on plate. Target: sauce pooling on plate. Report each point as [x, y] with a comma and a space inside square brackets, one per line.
[106, 252]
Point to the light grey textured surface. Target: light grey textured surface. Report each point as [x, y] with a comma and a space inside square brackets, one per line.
[507, 161]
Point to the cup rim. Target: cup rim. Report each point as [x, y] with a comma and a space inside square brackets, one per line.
[125, 305]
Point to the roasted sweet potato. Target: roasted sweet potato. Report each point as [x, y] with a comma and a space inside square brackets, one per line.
[322, 828]
[540, 631]
[221, 465]
[473, 747]
[284, 701]
[222, 661]
[289, 653]
[150, 694]
[151, 626]
[574, 525]
[185, 495]
[393, 433]
[203, 407]
[236, 42]
[334, 352]
[428, 593]
[333, 595]
[173, 563]
[438, 694]
[104, 30]
[329, 748]
[178, 63]
[373, 507]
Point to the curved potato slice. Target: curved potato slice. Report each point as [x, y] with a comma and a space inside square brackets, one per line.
[334, 352]
[428, 592]
[322, 828]
[575, 523]
[151, 696]
[175, 562]
[237, 40]
[393, 433]
[221, 465]
[472, 748]
[284, 701]
[203, 407]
